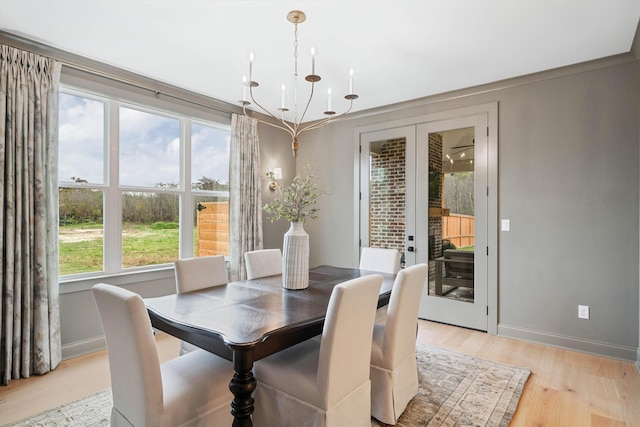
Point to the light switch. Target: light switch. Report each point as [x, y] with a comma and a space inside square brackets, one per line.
[506, 225]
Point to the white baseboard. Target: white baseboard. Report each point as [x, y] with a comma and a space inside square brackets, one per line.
[570, 343]
[79, 348]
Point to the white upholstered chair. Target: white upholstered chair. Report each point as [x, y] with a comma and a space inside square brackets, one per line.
[189, 390]
[263, 262]
[394, 372]
[380, 259]
[193, 274]
[326, 383]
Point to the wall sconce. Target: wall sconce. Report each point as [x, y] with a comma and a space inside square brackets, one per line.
[277, 174]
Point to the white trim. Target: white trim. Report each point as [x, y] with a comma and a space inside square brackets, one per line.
[79, 348]
[113, 190]
[491, 110]
[597, 348]
[163, 272]
[90, 345]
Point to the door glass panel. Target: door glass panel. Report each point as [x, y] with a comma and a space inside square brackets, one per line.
[451, 222]
[387, 198]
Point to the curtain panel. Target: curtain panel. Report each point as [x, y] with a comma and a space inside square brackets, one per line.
[29, 306]
[245, 197]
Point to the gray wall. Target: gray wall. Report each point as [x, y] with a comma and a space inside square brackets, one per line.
[275, 152]
[635, 50]
[569, 181]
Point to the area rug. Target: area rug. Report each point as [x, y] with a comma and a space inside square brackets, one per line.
[455, 390]
[460, 390]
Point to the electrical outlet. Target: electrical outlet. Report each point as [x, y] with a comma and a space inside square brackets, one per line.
[583, 312]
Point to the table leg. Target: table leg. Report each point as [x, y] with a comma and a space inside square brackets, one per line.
[242, 386]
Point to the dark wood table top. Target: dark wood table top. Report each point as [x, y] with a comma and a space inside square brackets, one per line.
[251, 313]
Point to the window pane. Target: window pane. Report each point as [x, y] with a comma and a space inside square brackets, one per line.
[211, 233]
[149, 149]
[81, 140]
[150, 232]
[81, 231]
[209, 158]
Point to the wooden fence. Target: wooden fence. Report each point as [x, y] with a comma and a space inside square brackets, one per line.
[213, 229]
[459, 230]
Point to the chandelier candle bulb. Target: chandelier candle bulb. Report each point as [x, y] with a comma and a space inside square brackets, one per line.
[283, 96]
[251, 67]
[313, 61]
[351, 81]
[329, 99]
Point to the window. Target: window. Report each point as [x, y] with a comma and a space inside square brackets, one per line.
[122, 170]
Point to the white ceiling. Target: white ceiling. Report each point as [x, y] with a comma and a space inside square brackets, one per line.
[400, 50]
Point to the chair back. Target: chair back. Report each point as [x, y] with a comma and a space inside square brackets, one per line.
[263, 263]
[380, 259]
[345, 346]
[136, 380]
[402, 313]
[201, 272]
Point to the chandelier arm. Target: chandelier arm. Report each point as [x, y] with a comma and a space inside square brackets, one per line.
[285, 124]
[286, 128]
[317, 125]
[326, 121]
[313, 84]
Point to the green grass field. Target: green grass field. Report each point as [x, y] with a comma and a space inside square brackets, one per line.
[80, 247]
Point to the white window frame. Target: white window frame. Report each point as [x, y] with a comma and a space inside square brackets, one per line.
[112, 191]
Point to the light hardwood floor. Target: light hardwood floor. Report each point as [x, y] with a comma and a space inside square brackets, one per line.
[565, 388]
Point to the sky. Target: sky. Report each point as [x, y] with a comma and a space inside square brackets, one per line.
[149, 149]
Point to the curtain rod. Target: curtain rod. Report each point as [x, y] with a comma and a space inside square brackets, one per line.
[156, 92]
[81, 63]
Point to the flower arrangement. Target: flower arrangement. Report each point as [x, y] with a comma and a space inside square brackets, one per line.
[297, 201]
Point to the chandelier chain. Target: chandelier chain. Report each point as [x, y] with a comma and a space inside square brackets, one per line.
[295, 50]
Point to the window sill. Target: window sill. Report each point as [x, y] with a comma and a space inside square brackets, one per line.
[71, 285]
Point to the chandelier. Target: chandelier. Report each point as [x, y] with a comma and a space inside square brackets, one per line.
[296, 128]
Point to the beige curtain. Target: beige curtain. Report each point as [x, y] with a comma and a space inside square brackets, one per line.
[29, 312]
[245, 198]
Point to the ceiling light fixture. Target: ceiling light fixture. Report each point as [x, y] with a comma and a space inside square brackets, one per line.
[295, 129]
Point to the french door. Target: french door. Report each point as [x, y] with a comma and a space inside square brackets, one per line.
[424, 191]
[451, 193]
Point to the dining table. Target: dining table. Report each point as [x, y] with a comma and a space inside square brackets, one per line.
[247, 320]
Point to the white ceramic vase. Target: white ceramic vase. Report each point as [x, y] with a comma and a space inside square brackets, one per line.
[295, 258]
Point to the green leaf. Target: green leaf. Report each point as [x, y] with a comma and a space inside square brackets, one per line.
[297, 201]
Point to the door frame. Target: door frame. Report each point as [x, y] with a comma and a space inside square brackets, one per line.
[491, 110]
[472, 314]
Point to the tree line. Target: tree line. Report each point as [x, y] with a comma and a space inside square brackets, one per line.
[458, 193]
[85, 205]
